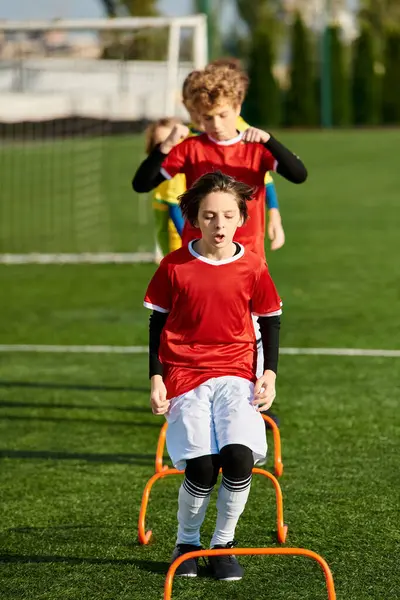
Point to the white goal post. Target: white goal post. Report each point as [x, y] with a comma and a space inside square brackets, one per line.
[62, 103]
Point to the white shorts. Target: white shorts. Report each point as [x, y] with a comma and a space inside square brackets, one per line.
[216, 413]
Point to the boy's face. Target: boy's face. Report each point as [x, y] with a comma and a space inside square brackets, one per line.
[218, 218]
[220, 121]
[194, 117]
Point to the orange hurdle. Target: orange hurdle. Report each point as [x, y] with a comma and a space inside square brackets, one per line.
[160, 449]
[246, 551]
[144, 536]
[278, 465]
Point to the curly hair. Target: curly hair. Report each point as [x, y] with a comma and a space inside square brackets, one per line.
[188, 82]
[213, 85]
[234, 65]
[152, 128]
[215, 181]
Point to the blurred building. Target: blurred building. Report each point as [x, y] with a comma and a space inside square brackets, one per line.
[54, 43]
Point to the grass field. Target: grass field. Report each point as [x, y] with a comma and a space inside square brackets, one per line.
[77, 439]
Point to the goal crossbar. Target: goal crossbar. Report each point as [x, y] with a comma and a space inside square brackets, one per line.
[64, 100]
[117, 24]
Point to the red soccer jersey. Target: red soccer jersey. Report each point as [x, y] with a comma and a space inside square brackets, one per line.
[247, 162]
[209, 330]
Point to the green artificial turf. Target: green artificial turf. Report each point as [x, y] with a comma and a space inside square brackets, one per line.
[77, 439]
[77, 447]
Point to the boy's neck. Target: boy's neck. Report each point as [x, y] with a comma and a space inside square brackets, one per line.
[236, 135]
[212, 253]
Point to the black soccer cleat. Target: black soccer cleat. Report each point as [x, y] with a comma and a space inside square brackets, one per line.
[226, 567]
[189, 568]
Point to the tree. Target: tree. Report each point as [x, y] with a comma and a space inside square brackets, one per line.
[262, 105]
[301, 108]
[364, 81]
[339, 79]
[213, 9]
[254, 12]
[380, 15]
[391, 79]
[136, 8]
[110, 8]
[143, 44]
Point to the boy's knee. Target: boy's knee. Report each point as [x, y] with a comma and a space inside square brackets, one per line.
[203, 470]
[237, 461]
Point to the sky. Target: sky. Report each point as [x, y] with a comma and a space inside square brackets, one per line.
[48, 9]
[70, 9]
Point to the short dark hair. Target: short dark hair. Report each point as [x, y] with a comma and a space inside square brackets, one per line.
[215, 181]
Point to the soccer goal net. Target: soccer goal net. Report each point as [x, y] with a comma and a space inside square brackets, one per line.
[74, 99]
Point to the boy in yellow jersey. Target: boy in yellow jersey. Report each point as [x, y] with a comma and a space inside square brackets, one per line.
[275, 229]
[167, 214]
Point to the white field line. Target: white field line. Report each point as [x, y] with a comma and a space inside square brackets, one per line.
[143, 350]
[99, 258]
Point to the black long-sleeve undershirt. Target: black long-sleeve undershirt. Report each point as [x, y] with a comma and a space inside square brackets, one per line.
[269, 327]
[156, 325]
[148, 175]
[289, 165]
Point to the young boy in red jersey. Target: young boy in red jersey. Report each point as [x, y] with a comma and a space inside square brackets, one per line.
[247, 155]
[202, 363]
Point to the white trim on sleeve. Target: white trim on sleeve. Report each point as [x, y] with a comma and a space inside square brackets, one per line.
[165, 173]
[155, 307]
[276, 313]
[275, 165]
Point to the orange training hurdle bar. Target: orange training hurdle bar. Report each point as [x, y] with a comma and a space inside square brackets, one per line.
[144, 536]
[251, 551]
[278, 465]
[160, 449]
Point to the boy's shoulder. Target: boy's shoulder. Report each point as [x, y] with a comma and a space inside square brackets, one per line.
[198, 138]
[241, 124]
[255, 261]
[177, 257]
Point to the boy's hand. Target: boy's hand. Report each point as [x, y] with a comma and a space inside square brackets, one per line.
[275, 230]
[178, 133]
[252, 134]
[158, 396]
[264, 391]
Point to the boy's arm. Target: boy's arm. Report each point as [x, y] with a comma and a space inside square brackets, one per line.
[286, 163]
[275, 229]
[269, 328]
[156, 325]
[158, 298]
[271, 197]
[267, 306]
[158, 394]
[289, 165]
[148, 175]
[264, 389]
[176, 217]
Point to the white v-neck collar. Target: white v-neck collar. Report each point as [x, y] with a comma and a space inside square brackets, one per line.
[215, 263]
[234, 140]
